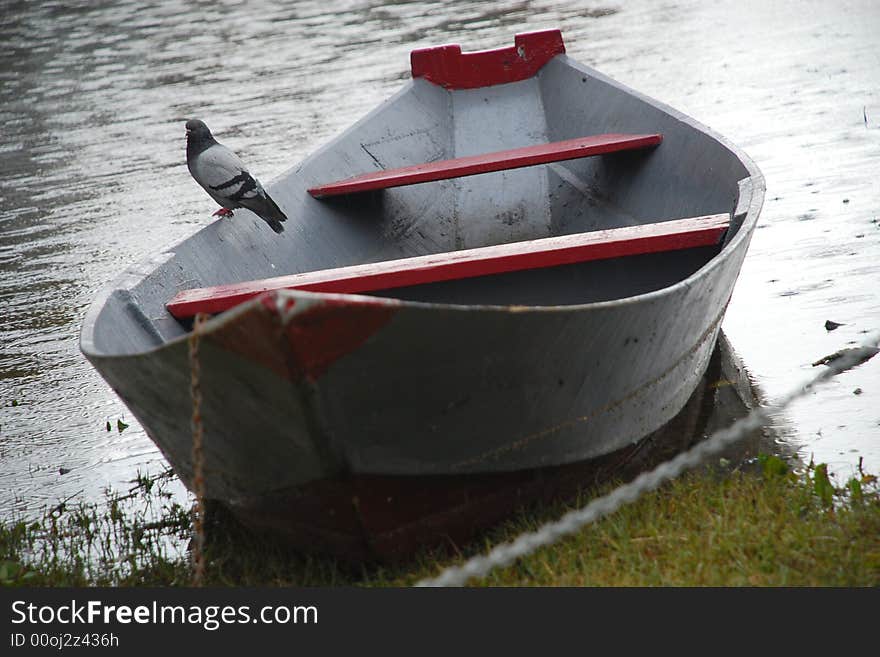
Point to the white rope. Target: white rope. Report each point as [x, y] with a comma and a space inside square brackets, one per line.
[573, 521]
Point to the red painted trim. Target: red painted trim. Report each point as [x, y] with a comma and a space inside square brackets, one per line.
[448, 67]
[515, 158]
[317, 336]
[484, 261]
[324, 333]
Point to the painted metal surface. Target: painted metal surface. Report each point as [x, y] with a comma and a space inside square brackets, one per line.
[467, 263]
[448, 67]
[498, 374]
[472, 165]
[389, 517]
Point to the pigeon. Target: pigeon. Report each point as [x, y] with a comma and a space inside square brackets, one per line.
[223, 175]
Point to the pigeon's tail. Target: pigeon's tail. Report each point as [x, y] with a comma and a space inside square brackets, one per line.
[274, 224]
[268, 211]
[275, 212]
[275, 216]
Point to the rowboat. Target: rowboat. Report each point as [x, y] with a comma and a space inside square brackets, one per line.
[508, 274]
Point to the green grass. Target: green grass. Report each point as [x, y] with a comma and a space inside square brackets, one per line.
[773, 527]
[132, 539]
[742, 530]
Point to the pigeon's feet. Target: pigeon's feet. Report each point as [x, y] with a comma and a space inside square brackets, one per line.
[223, 212]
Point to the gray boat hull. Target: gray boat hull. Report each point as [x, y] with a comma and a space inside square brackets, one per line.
[503, 375]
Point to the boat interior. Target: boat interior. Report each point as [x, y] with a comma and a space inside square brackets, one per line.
[690, 173]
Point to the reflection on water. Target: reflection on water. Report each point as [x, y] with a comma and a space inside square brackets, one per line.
[92, 174]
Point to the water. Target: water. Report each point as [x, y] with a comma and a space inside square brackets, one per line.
[93, 178]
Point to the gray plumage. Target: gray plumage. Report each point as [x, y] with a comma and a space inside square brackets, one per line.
[223, 175]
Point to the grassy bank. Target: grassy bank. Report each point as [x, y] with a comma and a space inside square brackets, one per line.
[771, 527]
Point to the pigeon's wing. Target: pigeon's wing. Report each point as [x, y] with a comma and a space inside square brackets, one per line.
[224, 176]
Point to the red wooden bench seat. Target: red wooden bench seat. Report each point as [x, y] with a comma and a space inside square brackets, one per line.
[569, 149]
[546, 252]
